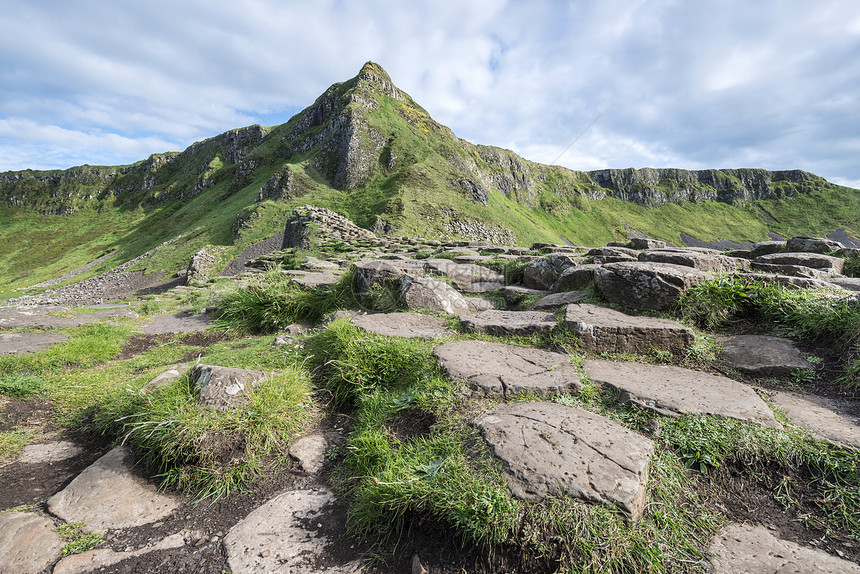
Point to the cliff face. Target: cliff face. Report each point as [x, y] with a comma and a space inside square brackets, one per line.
[367, 138]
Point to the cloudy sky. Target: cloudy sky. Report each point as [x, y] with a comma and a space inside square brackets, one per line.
[585, 84]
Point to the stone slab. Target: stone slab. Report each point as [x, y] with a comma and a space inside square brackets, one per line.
[645, 285]
[761, 356]
[176, 323]
[827, 419]
[558, 300]
[549, 449]
[220, 388]
[309, 451]
[408, 325]
[604, 330]
[49, 452]
[101, 558]
[287, 535]
[748, 549]
[497, 369]
[316, 280]
[509, 323]
[463, 274]
[39, 317]
[673, 391]
[108, 495]
[19, 343]
[28, 543]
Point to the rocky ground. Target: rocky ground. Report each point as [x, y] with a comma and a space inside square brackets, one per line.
[291, 519]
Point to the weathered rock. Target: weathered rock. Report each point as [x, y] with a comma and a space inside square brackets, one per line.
[696, 260]
[513, 294]
[497, 369]
[761, 356]
[643, 285]
[220, 388]
[409, 325]
[174, 373]
[204, 264]
[43, 317]
[289, 535]
[372, 272]
[575, 278]
[814, 260]
[310, 452]
[316, 280]
[559, 300]
[99, 559]
[49, 452]
[314, 264]
[673, 391]
[646, 243]
[182, 322]
[417, 292]
[544, 272]
[108, 495]
[28, 543]
[18, 343]
[792, 270]
[604, 330]
[478, 304]
[766, 248]
[849, 283]
[803, 244]
[749, 549]
[788, 281]
[622, 252]
[549, 449]
[827, 419]
[504, 323]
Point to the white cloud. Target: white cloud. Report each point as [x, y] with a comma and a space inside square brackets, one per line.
[687, 84]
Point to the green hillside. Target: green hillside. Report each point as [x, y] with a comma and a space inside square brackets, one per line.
[368, 151]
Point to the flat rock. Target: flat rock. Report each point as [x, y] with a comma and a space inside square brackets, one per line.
[695, 259]
[766, 248]
[309, 451]
[417, 292]
[802, 243]
[604, 330]
[288, 535]
[827, 419]
[108, 495]
[316, 280]
[40, 317]
[812, 260]
[644, 285]
[163, 378]
[408, 325]
[761, 356]
[575, 277]
[558, 300]
[550, 449]
[181, 322]
[463, 274]
[49, 452]
[101, 558]
[748, 549]
[673, 391]
[514, 293]
[505, 323]
[849, 283]
[18, 343]
[28, 543]
[497, 369]
[220, 388]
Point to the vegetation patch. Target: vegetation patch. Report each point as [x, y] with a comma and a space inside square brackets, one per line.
[76, 540]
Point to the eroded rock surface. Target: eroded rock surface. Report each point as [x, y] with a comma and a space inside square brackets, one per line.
[181, 322]
[108, 495]
[288, 535]
[18, 343]
[497, 369]
[604, 330]
[408, 325]
[673, 391]
[28, 543]
[49, 452]
[827, 419]
[220, 388]
[505, 323]
[748, 549]
[761, 356]
[548, 449]
[643, 285]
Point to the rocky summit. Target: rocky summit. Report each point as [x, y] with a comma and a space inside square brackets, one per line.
[357, 343]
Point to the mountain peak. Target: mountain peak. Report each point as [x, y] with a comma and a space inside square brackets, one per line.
[373, 75]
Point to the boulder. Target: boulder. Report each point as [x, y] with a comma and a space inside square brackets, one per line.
[550, 449]
[558, 300]
[220, 388]
[609, 254]
[701, 261]
[643, 285]
[604, 330]
[505, 323]
[791, 270]
[673, 391]
[640, 243]
[497, 369]
[309, 451]
[513, 294]
[803, 244]
[464, 275]
[766, 248]
[761, 356]
[370, 272]
[575, 278]
[417, 292]
[542, 273]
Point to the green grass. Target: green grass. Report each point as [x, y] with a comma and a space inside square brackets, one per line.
[13, 441]
[76, 540]
[206, 452]
[22, 386]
